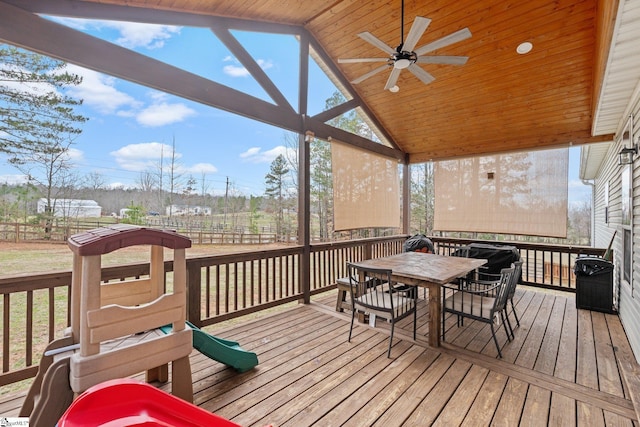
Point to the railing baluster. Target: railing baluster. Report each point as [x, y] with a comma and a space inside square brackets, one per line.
[29, 325]
[6, 327]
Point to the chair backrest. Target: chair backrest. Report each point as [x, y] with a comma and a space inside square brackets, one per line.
[364, 282]
[515, 278]
[506, 277]
[373, 290]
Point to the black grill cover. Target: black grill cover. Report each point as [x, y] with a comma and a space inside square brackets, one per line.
[497, 256]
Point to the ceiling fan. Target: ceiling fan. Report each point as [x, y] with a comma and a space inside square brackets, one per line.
[404, 56]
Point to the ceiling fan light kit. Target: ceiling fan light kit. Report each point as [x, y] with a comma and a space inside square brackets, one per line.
[405, 57]
[402, 63]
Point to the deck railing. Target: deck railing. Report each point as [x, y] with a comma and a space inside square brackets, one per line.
[35, 308]
[546, 266]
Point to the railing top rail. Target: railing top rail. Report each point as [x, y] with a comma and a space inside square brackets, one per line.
[244, 256]
[355, 242]
[521, 245]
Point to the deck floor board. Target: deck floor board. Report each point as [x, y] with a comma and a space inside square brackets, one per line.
[562, 368]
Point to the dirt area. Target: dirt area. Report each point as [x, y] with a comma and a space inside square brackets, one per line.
[25, 258]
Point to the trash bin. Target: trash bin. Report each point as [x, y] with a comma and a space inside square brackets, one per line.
[594, 284]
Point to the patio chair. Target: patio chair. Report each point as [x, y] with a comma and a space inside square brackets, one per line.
[482, 300]
[488, 279]
[379, 298]
[517, 273]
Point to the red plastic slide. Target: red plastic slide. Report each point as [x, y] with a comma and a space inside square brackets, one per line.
[127, 402]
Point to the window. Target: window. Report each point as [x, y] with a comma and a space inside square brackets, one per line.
[606, 203]
[626, 194]
[627, 242]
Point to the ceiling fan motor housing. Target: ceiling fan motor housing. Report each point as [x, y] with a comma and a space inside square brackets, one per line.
[402, 59]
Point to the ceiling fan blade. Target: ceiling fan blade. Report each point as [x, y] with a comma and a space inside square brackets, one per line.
[393, 78]
[452, 38]
[356, 60]
[369, 74]
[418, 28]
[367, 36]
[424, 76]
[444, 59]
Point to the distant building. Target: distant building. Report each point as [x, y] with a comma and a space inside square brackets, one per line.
[71, 208]
[184, 210]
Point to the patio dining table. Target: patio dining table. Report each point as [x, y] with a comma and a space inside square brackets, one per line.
[427, 271]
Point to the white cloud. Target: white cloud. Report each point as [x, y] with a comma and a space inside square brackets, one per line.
[264, 64]
[256, 155]
[75, 155]
[164, 113]
[140, 157]
[130, 35]
[99, 92]
[149, 36]
[237, 70]
[250, 152]
[201, 168]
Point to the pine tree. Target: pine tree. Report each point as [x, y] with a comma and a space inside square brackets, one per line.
[276, 189]
[35, 115]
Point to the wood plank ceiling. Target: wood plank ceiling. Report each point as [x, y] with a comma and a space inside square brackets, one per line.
[499, 101]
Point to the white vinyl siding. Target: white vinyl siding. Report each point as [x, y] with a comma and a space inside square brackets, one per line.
[610, 174]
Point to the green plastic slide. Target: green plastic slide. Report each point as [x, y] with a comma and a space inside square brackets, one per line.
[224, 351]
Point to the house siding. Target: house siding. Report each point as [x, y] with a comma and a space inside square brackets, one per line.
[627, 294]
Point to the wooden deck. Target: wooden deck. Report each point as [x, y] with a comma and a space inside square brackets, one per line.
[563, 368]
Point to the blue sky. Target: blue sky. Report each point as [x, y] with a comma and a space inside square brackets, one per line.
[130, 125]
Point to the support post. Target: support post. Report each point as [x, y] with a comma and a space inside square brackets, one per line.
[304, 198]
[406, 197]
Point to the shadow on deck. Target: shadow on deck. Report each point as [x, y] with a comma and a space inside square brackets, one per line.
[565, 367]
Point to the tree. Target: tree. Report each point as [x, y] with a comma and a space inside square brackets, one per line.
[174, 176]
[17, 200]
[321, 182]
[422, 198]
[50, 168]
[37, 121]
[147, 183]
[188, 191]
[276, 188]
[94, 181]
[34, 113]
[135, 214]
[254, 216]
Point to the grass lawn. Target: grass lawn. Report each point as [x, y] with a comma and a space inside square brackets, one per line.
[24, 258]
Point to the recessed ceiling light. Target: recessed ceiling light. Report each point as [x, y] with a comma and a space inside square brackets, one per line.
[394, 88]
[524, 47]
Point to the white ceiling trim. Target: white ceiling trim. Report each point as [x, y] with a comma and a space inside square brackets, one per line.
[591, 158]
[622, 75]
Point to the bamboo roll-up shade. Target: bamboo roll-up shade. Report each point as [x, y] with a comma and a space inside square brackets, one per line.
[516, 193]
[366, 189]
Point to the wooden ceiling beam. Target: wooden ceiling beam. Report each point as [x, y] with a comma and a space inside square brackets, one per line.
[114, 12]
[58, 41]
